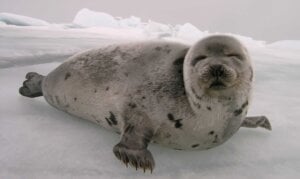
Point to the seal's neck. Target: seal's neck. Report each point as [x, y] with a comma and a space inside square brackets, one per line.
[233, 97]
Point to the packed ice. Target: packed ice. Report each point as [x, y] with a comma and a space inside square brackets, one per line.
[38, 141]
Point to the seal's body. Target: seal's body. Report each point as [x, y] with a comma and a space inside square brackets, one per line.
[178, 96]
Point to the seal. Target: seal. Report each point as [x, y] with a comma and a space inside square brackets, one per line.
[184, 97]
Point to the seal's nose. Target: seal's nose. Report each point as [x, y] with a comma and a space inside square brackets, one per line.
[217, 70]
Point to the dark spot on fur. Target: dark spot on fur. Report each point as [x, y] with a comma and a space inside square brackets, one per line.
[245, 104]
[239, 111]
[111, 120]
[196, 95]
[171, 117]
[132, 105]
[211, 132]
[208, 108]
[179, 71]
[95, 90]
[109, 123]
[178, 61]
[158, 48]
[126, 74]
[177, 122]
[215, 139]
[129, 128]
[75, 99]
[68, 75]
[98, 121]
[107, 88]
[195, 145]
[144, 97]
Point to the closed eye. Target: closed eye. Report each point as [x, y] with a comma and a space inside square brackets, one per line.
[197, 59]
[238, 56]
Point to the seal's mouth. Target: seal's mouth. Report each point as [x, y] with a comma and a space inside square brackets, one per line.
[217, 85]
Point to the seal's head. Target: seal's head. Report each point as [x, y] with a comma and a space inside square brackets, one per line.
[216, 65]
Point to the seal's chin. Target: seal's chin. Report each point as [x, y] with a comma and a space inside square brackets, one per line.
[217, 85]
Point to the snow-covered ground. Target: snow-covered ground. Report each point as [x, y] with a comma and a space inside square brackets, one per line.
[38, 141]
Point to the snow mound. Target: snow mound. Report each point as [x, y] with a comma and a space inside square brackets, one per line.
[88, 18]
[157, 30]
[19, 20]
[105, 24]
[186, 33]
[189, 33]
[286, 44]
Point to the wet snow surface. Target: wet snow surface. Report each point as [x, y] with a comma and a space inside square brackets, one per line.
[38, 141]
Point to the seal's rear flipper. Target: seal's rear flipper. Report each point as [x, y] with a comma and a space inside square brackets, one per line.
[32, 86]
[257, 121]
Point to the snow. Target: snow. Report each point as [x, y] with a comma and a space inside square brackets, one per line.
[14, 19]
[132, 21]
[38, 141]
[88, 18]
[189, 32]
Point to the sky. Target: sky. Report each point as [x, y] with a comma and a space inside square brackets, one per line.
[269, 20]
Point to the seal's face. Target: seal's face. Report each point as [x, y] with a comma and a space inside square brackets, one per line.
[220, 63]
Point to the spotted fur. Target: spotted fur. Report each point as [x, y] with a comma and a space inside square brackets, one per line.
[156, 91]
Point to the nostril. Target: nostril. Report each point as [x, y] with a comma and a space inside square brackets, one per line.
[217, 70]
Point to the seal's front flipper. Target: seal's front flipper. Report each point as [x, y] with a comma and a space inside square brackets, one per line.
[257, 121]
[132, 149]
[137, 158]
[32, 86]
